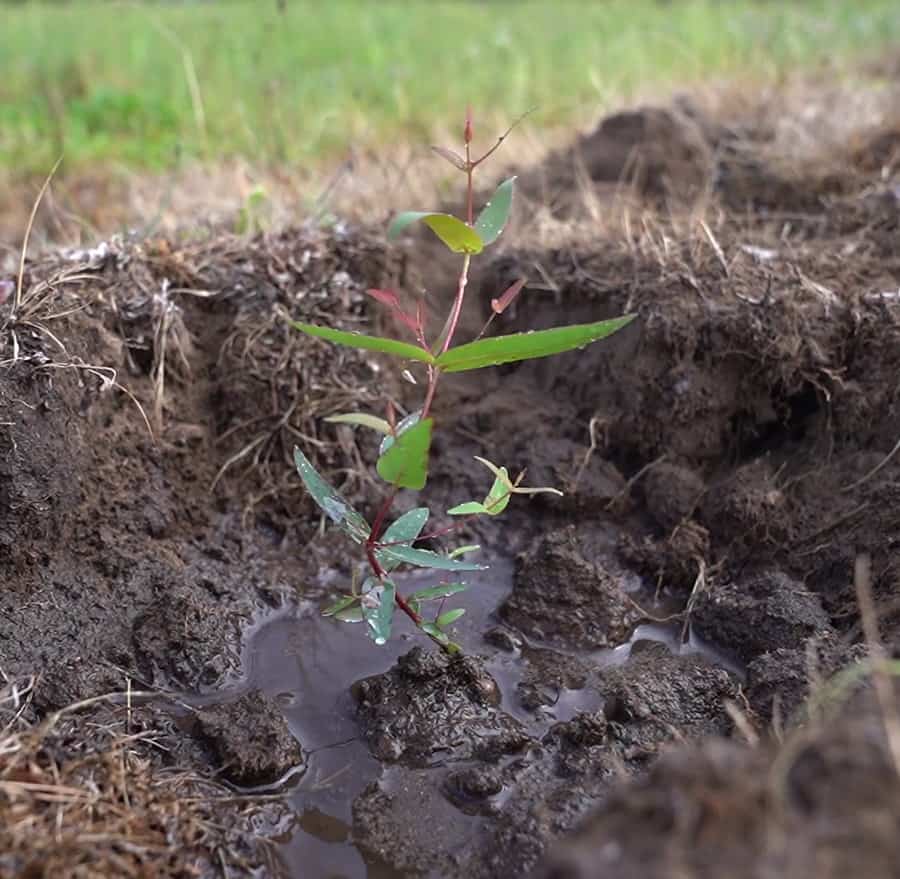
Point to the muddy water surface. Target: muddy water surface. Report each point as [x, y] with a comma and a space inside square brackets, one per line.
[309, 666]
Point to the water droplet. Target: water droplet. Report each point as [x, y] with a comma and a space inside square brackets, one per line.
[380, 641]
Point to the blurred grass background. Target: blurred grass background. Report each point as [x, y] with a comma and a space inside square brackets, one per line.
[149, 85]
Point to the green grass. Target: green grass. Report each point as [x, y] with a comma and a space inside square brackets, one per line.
[146, 85]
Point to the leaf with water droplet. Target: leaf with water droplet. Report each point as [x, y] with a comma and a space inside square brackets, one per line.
[381, 617]
[424, 558]
[334, 506]
[405, 463]
[403, 425]
[402, 533]
[495, 213]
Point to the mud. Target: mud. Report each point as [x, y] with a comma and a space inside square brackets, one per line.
[648, 679]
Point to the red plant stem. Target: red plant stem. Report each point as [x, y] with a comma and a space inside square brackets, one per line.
[402, 604]
[458, 302]
[470, 203]
[432, 387]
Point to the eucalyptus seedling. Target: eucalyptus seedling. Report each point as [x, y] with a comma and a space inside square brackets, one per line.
[405, 444]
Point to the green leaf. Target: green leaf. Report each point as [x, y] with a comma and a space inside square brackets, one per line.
[350, 615]
[403, 425]
[447, 619]
[495, 213]
[462, 550]
[423, 558]
[496, 501]
[343, 602]
[459, 237]
[405, 463]
[332, 504]
[433, 631]
[469, 508]
[361, 418]
[498, 497]
[527, 346]
[369, 343]
[501, 475]
[442, 591]
[380, 617]
[402, 532]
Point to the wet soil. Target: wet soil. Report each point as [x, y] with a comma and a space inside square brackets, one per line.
[644, 686]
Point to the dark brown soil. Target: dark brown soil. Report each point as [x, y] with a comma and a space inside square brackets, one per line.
[647, 660]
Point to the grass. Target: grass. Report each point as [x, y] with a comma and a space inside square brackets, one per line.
[150, 85]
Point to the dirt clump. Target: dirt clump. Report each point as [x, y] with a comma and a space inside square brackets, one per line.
[592, 611]
[250, 740]
[658, 151]
[760, 613]
[745, 811]
[429, 706]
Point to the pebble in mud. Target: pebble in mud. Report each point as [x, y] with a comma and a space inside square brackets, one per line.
[756, 614]
[561, 596]
[250, 740]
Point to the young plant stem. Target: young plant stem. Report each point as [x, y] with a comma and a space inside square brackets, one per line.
[458, 302]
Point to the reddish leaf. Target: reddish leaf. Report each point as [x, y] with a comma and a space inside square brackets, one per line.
[452, 157]
[392, 301]
[500, 305]
[385, 297]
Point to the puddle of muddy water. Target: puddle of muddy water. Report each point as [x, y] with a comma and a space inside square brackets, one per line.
[308, 664]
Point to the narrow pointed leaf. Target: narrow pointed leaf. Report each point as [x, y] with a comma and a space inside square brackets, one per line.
[402, 532]
[447, 619]
[423, 558]
[344, 602]
[433, 631]
[495, 213]
[404, 425]
[405, 463]
[332, 504]
[380, 618]
[361, 418]
[435, 592]
[369, 343]
[527, 346]
[462, 550]
[451, 156]
[385, 297]
[458, 237]
[499, 305]
[470, 508]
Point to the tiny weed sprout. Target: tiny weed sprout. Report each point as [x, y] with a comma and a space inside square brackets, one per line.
[405, 444]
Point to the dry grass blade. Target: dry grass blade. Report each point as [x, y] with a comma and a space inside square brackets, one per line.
[37, 203]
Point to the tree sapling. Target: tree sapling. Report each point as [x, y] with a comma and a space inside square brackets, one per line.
[405, 444]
